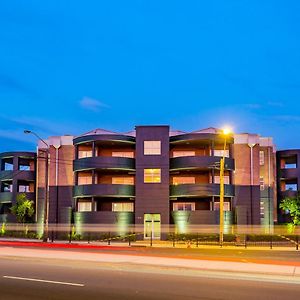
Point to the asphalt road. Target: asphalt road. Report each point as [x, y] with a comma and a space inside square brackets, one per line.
[24, 278]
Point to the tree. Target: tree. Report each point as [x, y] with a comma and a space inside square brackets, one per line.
[23, 209]
[292, 205]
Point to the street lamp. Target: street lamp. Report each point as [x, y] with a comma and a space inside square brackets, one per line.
[226, 132]
[46, 207]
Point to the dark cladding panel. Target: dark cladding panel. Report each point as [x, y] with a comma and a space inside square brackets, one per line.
[152, 197]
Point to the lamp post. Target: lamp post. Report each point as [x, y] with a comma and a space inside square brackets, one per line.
[222, 167]
[46, 207]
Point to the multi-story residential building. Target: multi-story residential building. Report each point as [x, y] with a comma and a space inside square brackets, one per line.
[288, 178]
[154, 176]
[17, 175]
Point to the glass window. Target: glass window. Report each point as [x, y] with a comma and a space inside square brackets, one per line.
[122, 207]
[85, 153]
[123, 180]
[152, 147]
[226, 179]
[261, 183]
[183, 180]
[152, 175]
[7, 187]
[183, 153]
[291, 187]
[85, 206]
[262, 209]
[221, 152]
[261, 158]
[8, 166]
[85, 178]
[225, 208]
[129, 154]
[184, 206]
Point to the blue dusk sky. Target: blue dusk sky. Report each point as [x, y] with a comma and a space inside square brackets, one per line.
[67, 67]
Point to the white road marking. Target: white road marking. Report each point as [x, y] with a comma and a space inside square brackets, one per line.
[45, 281]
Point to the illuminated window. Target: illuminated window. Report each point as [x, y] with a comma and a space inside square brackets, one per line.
[183, 153]
[261, 183]
[152, 147]
[122, 207]
[85, 153]
[226, 179]
[129, 154]
[123, 180]
[85, 178]
[261, 158]
[226, 206]
[152, 175]
[183, 180]
[184, 206]
[84, 206]
[221, 152]
[262, 209]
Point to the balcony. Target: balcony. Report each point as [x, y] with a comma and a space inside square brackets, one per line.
[289, 173]
[104, 163]
[6, 197]
[104, 217]
[198, 162]
[19, 174]
[104, 190]
[200, 190]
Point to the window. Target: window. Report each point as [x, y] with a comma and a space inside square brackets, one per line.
[123, 180]
[117, 207]
[129, 154]
[225, 208]
[23, 189]
[24, 168]
[261, 183]
[226, 179]
[152, 175]
[85, 153]
[183, 153]
[84, 206]
[84, 178]
[291, 187]
[8, 166]
[183, 180]
[7, 187]
[152, 147]
[221, 152]
[262, 209]
[184, 206]
[261, 158]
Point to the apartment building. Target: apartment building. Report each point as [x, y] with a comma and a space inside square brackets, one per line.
[154, 176]
[288, 178]
[17, 175]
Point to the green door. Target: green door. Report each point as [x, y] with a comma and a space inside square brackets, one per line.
[152, 226]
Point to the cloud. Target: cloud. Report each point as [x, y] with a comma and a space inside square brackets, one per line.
[275, 104]
[92, 104]
[15, 134]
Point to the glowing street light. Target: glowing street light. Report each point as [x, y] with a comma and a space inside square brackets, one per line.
[226, 132]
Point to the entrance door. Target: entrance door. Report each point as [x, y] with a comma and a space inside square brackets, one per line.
[152, 226]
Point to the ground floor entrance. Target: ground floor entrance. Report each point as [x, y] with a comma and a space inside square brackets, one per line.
[152, 226]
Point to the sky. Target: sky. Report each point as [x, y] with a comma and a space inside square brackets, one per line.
[67, 67]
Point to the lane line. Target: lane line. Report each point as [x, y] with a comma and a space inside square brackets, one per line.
[45, 281]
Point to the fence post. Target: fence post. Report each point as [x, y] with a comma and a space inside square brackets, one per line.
[70, 235]
[129, 239]
[89, 237]
[271, 242]
[173, 240]
[197, 240]
[245, 241]
[52, 236]
[151, 239]
[109, 238]
[297, 242]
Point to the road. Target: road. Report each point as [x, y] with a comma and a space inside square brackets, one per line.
[44, 278]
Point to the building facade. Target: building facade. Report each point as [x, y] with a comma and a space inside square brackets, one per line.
[288, 178]
[154, 176]
[17, 175]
